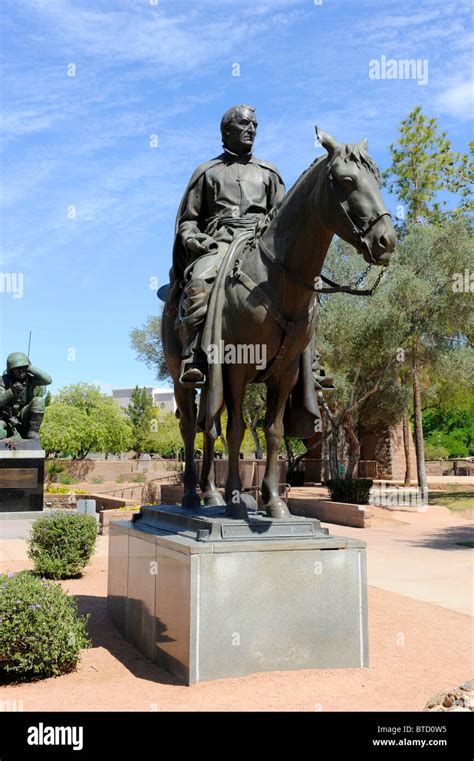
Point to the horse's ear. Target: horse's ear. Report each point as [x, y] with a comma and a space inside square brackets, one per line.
[326, 141]
[364, 145]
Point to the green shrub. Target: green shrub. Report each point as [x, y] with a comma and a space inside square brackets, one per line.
[41, 633]
[53, 470]
[354, 490]
[61, 544]
[66, 478]
[454, 442]
[138, 478]
[98, 480]
[434, 452]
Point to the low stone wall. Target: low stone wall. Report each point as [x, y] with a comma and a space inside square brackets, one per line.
[340, 513]
[110, 470]
[69, 501]
[171, 494]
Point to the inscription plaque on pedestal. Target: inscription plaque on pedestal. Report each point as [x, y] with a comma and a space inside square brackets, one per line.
[21, 477]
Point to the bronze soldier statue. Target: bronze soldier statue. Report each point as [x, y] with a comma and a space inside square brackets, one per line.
[225, 196]
[21, 410]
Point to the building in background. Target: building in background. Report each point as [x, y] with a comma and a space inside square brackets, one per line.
[163, 398]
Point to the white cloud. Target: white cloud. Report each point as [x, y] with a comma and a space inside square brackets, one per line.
[457, 100]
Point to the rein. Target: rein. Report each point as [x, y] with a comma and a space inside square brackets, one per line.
[351, 289]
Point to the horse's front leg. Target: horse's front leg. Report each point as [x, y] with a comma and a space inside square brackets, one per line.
[278, 391]
[210, 493]
[234, 390]
[187, 424]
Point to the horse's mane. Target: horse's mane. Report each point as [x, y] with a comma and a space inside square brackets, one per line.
[353, 152]
[350, 152]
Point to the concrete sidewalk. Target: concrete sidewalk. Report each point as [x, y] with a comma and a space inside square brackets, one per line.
[419, 555]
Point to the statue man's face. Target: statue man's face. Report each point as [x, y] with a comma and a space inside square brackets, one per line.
[240, 133]
[19, 373]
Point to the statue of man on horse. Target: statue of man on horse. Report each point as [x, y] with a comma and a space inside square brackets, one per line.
[262, 251]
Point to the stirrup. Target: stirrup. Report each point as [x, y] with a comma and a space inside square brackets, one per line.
[192, 383]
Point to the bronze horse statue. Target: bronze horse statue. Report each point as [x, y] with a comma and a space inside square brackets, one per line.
[339, 194]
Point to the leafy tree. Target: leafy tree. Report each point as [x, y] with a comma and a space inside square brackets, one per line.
[422, 298]
[81, 419]
[147, 344]
[140, 413]
[448, 409]
[358, 341]
[166, 438]
[424, 168]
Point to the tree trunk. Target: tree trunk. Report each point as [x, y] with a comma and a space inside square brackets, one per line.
[406, 447]
[354, 448]
[333, 457]
[254, 431]
[420, 455]
[258, 444]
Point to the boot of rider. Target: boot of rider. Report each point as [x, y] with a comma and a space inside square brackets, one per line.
[194, 363]
[34, 424]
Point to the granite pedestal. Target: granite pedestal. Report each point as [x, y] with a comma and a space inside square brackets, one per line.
[21, 477]
[207, 597]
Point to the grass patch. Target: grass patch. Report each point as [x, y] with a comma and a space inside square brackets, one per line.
[454, 500]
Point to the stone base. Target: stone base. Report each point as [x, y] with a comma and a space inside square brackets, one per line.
[21, 477]
[207, 597]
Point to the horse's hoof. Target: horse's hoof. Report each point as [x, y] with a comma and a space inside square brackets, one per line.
[277, 509]
[191, 501]
[213, 499]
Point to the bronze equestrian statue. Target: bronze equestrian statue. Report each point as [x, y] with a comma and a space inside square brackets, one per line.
[266, 292]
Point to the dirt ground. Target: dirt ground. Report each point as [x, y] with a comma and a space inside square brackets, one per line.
[416, 650]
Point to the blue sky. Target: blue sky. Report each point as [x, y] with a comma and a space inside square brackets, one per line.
[165, 68]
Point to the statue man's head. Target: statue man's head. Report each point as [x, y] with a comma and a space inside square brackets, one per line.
[238, 129]
[17, 365]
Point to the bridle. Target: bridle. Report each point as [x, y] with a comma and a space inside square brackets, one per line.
[358, 232]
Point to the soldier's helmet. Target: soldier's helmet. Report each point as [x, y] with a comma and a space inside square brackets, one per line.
[17, 359]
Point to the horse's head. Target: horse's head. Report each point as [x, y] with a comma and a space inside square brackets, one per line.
[353, 208]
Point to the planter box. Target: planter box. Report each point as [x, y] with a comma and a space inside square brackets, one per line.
[340, 513]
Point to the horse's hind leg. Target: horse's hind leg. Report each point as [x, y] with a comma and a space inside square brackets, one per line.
[210, 493]
[187, 423]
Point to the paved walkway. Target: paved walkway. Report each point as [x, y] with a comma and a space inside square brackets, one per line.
[419, 555]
